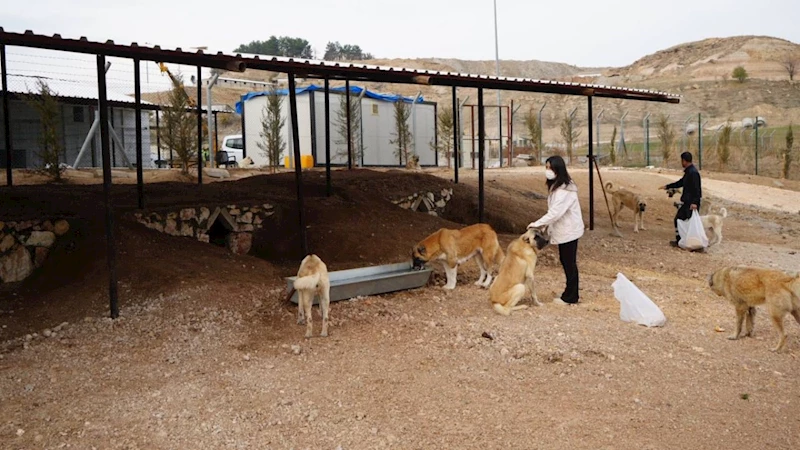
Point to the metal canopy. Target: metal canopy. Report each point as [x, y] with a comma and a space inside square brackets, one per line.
[325, 69]
[294, 68]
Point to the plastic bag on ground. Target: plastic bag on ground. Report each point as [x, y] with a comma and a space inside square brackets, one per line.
[693, 235]
[635, 306]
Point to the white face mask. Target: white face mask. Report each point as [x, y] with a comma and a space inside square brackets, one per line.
[549, 174]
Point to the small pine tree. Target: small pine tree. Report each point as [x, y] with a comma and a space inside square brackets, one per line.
[403, 139]
[569, 133]
[444, 130]
[724, 145]
[534, 133]
[612, 152]
[666, 134]
[272, 130]
[787, 153]
[740, 74]
[340, 122]
[181, 126]
[51, 150]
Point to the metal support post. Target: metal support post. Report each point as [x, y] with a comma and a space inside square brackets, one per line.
[591, 162]
[6, 117]
[137, 89]
[298, 171]
[328, 187]
[455, 134]
[349, 131]
[111, 245]
[199, 128]
[481, 149]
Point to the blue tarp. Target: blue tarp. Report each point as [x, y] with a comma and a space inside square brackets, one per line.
[354, 90]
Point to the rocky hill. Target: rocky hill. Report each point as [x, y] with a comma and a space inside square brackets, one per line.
[698, 71]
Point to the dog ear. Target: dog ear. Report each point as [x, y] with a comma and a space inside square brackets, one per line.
[421, 249]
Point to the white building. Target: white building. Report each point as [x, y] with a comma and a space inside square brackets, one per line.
[377, 129]
[77, 105]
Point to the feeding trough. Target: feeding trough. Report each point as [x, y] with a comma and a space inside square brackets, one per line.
[346, 284]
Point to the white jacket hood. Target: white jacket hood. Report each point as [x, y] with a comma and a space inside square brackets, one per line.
[564, 218]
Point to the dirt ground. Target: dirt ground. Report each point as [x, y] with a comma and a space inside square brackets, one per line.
[206, 354]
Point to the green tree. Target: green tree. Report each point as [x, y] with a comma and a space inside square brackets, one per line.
[340, 122]
[271, 132]
[403, 139]
[740, 74]
[534, 134]
[50, 149]
[181, 125]
[787, 153]
[291, 47]
[569, 133]
[724, 145]
[444, 130]
[666, 134]
[334, 51]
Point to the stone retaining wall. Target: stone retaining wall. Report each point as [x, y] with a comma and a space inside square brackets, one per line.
[427, 202]
[24, 246]
[240, 221]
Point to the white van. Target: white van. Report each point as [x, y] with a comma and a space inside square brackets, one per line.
[234, 145]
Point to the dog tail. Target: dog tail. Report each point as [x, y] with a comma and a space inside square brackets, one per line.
[609, 186]
[723, 212]
[306, 283]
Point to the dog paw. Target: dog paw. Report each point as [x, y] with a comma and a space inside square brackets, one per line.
[324, 334]
[733, 337]
[301, 321]
[309, 335]
[449, 288]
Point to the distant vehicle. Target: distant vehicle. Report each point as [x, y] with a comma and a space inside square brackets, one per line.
[234, 145]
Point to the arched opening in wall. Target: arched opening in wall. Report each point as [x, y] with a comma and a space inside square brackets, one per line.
[222, 225]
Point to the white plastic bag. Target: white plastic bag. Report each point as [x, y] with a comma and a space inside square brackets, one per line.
[635, 306]
[693, 235]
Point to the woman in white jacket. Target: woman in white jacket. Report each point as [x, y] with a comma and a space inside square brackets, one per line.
[564, 222]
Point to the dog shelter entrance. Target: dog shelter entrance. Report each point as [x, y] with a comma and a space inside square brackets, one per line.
[219, 232]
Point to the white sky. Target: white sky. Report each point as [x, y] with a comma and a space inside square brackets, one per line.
[580, 32]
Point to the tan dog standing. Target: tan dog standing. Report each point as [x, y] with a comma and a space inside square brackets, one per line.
[623, 198]
[515, 277]
[714, 223]
[747, 287]
[312, 280]
[455, 247]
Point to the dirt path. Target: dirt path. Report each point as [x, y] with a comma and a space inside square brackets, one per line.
[766, 197]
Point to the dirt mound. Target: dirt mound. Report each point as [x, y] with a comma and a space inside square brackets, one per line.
[357, 226]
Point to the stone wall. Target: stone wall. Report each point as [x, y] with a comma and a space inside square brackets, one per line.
[24, 246]
[196, 223]
[426, 202]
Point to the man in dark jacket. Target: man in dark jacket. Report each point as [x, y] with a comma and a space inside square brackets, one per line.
[692, 192]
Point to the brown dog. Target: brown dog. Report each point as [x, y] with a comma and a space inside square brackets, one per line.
[455, 247]
[623, 198]
[748, 287]
[516, 273]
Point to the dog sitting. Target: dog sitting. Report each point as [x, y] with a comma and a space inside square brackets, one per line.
[714, 223]
[622, 198]
[748, 287]
[455, 247]
[312, 280]
[515, 277]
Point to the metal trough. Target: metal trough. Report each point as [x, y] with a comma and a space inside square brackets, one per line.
[346, 284]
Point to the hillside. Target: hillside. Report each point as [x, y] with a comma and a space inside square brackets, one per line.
[699, 71]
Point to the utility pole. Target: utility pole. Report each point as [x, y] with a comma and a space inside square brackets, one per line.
[497, 67]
